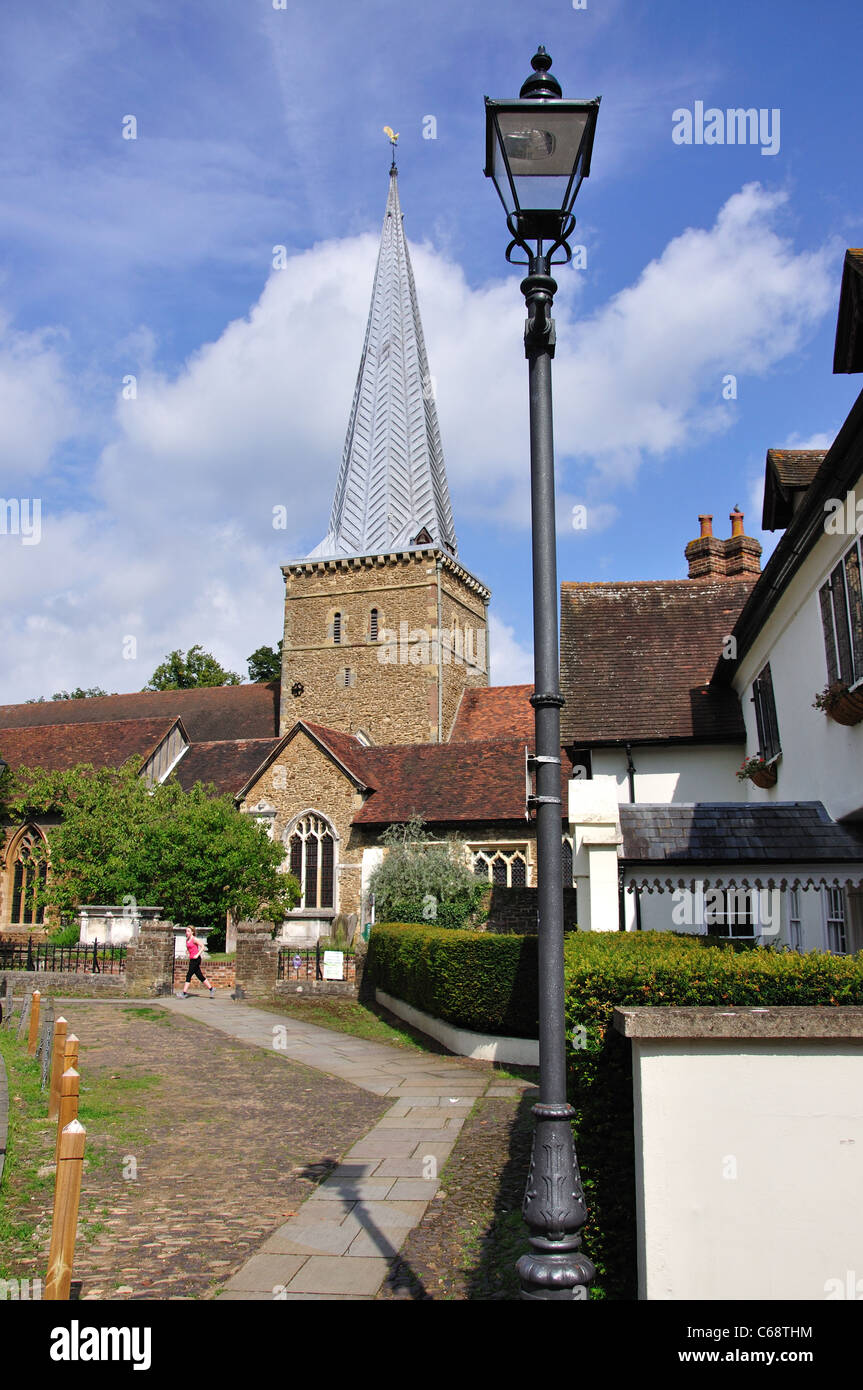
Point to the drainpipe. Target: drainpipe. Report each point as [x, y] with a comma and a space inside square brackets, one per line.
[439, 658]
[630, 772]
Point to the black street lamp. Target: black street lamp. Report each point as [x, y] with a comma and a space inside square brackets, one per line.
[537, 152]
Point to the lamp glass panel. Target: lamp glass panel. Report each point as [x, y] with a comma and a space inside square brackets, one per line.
[541, 149]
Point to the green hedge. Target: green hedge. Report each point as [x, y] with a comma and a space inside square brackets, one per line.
[471, 979]
[489, 983]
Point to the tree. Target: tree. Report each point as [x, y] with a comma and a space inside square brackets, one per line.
[79, 693]
[265, 664]
[424, 880]
[182, 671]
[119, 840]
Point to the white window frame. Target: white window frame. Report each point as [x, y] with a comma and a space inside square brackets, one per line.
[835, 923]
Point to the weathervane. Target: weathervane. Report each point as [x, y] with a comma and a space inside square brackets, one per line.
[394, 139]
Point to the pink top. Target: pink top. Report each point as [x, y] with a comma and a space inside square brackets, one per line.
[193, 948]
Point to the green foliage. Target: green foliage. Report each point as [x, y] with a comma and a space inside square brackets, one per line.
[65, 936]
[265, 664]
[489, 984]
[183, 671]
[421, 880]
[79, 693]
[121, 841]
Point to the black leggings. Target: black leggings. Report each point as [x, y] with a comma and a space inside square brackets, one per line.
[195, 969]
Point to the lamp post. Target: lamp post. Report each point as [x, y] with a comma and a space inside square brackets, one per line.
[537, 152]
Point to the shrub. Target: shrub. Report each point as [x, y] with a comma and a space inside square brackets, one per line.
[422, 880]
[68, 935]
[489, 983]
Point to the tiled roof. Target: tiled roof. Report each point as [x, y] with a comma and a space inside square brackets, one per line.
[637, 658]
[789, 472]
[494, 712]
[848, 352]
[228, 765]
[796, 467]
[57, 747]
[789, 832]
[345, 747]
[448, 783]
[208, 712]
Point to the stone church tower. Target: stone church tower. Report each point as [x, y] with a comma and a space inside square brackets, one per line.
[384, 628]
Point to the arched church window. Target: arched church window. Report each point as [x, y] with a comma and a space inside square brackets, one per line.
[337, 629]
[28, 872]
[311, 849]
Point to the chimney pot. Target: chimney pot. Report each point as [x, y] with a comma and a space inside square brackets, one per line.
[706, 525]
[736, 519]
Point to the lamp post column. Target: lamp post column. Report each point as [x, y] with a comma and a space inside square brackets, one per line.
[554, 1208]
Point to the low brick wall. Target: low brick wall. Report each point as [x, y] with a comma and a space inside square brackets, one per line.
[221, 973]
[64, 982]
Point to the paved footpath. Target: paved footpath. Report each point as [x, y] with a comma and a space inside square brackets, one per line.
[344, 1238]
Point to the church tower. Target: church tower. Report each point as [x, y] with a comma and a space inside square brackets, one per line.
[384, 628]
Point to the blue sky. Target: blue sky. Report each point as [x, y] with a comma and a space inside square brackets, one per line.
[259, 127]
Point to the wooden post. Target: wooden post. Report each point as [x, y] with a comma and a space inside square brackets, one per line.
[33, 1039]
[68, 1105]
[57, 1067]
[70, 1052]
[67, 1196]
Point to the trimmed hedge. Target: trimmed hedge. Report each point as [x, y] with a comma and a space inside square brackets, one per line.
[471, 979]
[489, 983]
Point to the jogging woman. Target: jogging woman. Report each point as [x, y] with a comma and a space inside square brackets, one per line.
[193, 947]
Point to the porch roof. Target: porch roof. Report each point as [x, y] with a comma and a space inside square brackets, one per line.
[791, 832]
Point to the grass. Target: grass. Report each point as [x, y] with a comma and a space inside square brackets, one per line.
[344, 1015]
[107, 1107]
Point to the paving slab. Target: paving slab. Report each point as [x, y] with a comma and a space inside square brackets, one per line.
[344, 1237]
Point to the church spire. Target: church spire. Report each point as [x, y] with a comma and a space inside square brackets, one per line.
[392, 489]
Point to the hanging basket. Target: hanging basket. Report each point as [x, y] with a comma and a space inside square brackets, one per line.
[847, 708]
[764, 778]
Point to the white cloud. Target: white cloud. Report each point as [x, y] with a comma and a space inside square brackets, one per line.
[511, 663]
[180, 547]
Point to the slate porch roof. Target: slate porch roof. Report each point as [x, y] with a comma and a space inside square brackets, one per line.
[57, 747]
[208, 712]
[730, 832]
[637, 659]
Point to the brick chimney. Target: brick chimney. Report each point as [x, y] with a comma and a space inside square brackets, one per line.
[706, 556]
[742, 552]
[711, 558]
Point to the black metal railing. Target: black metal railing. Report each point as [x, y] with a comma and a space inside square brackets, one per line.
[307, 963]
[91, 960]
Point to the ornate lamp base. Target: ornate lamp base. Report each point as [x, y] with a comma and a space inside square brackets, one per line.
[554, 1212]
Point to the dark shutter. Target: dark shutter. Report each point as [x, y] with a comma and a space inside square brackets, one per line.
[765, 714]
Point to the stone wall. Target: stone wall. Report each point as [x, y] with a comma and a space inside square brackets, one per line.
[150, 959]
[257, 961]
[221, 973]
[392, 700]
[64, 982]
[514, 910]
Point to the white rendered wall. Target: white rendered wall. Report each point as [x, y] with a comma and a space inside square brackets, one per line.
[821, 760]
[676, 772]
[749, 1167]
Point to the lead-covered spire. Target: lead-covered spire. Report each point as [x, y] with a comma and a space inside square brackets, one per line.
[392, 489]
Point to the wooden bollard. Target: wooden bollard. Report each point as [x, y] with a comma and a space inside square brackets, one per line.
[33, 1039]
[68, 1104]
[70, 1052]
[57, 1069]
[67, 1197]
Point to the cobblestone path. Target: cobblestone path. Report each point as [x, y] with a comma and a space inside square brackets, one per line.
[225, 1139]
